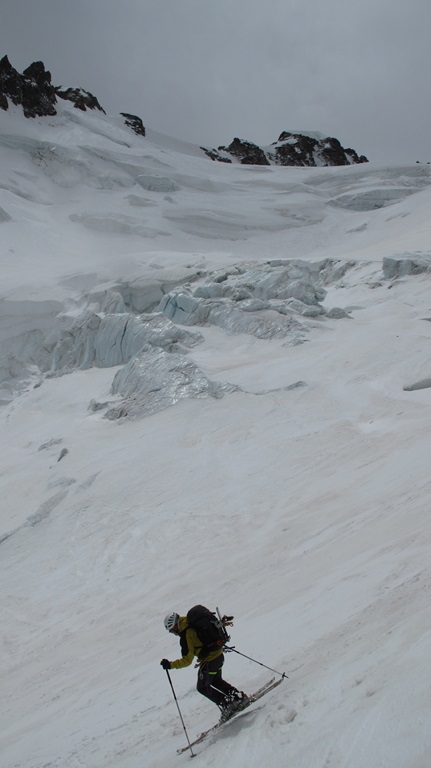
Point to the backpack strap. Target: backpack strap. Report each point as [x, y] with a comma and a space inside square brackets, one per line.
[183, 642]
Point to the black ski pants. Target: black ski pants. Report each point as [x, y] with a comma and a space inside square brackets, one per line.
[210, 682]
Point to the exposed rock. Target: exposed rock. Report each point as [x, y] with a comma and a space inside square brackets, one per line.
[80, 98]
[33, 89]
[35, 92]
[246, 152]
[135, 123]
[291, 149]
[214, 155]
[298, 149]
[10, 84]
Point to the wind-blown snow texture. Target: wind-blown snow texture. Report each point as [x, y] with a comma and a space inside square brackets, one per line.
[216, 389]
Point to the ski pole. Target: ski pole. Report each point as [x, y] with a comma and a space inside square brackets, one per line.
[282, 674]
[179, 712]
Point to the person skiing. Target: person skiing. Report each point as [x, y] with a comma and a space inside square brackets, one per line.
[210, 682]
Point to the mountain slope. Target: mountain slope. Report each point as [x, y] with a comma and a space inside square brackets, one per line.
[298, 501]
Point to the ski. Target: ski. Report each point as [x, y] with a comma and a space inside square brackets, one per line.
[269, 686]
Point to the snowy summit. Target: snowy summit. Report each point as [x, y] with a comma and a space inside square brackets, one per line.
[215, 389]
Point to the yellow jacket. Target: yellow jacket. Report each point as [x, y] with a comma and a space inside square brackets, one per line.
[191, 646]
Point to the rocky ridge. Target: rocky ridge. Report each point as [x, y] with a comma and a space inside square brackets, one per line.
[34, 91]
[292, 149]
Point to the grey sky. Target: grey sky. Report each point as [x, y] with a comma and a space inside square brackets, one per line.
[208, 71]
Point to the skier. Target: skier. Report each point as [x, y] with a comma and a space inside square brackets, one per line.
[210, 682]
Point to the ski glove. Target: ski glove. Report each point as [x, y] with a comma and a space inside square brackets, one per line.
[165, 664]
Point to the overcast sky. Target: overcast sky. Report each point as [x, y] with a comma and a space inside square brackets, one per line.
[206, 71]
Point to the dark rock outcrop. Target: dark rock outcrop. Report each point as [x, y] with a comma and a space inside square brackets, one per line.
[80, 98]
[214, 155]
[134, 122]
[291, 149]
[246, 152]
[10, 84]
[297, 149]
[33, 89]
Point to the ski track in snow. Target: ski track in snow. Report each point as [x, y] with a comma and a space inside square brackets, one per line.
[303, 511]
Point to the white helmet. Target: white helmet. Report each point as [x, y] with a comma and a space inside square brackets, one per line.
[170, 620]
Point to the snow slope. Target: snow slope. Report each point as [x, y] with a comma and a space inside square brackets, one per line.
[298, 502]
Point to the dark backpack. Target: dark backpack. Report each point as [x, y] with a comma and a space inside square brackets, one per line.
[209, 628]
